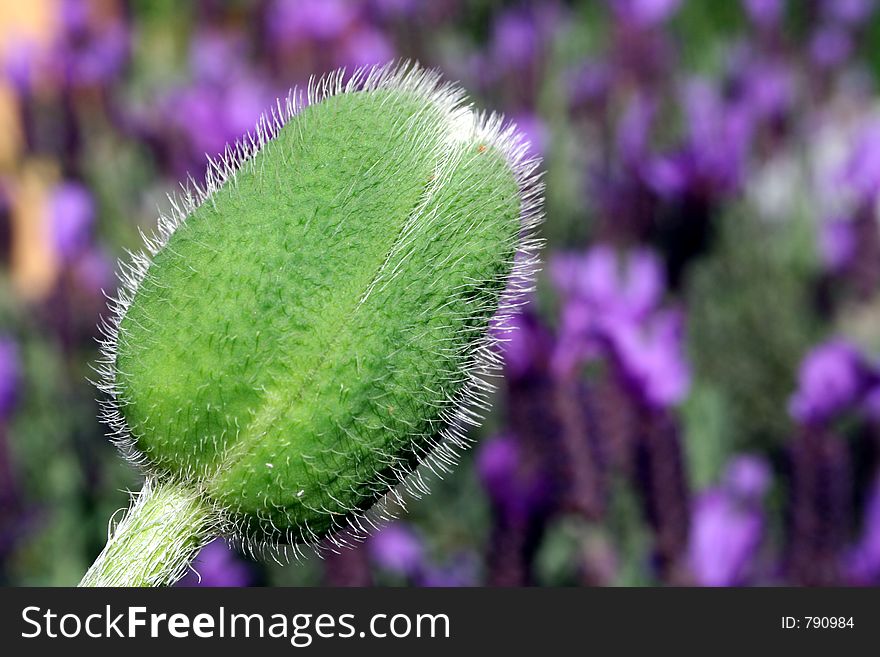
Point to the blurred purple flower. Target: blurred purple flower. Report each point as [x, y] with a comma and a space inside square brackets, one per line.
[96, 61]
[606, 300]
[713, 123]
[93, 272]
[512, 491]
[21, 60]
[205, 117]
[74, 15]
[728, 524]
[767, 89]
[89, 52]
[764, 13]
[830, 46]
[535, 132]
[292, 21]
[367, 47]
[871, 404]
[862, 170]
[748, 477]
[652, 357]
[837, 243]
[385, 9]
[589, 84]
[832, 377]
[667, 175]
[712, 159]
[515, 40]
[724, 538]
[496, 464]
[460, 570]
[398, 549]
[644, 13]
[633, 134]
[215, 56]
[628, 288]
[72, 217]
[525, 344]
[851, 12]
[10, 374]
[218, 565]
[84, 53]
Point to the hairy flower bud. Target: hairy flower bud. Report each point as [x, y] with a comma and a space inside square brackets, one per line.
[312, 326]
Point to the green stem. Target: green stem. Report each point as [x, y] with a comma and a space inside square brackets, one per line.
[156, 541]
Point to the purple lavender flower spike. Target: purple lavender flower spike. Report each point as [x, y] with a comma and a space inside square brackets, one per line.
[498, 465]
[72, 216]
[608, 301]
[398, 549]
[517, 519]
[653, 358]
[612, 304]
[718, 139]
[630, 291]
[820, 506]
[724, 538]
[831, 378]
[10, 375]
[217, 565]
[727, 526]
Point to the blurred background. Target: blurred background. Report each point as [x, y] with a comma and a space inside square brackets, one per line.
[693, 394]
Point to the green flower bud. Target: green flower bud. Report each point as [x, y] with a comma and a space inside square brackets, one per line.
[311, 327]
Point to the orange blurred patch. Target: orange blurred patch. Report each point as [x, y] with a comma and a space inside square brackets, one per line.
[35, 266]
[10, 128]
[32, 20]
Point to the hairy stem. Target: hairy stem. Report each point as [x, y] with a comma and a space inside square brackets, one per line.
[160, 535]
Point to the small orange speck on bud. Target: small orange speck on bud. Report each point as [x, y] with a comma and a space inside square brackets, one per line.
[481, 148]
